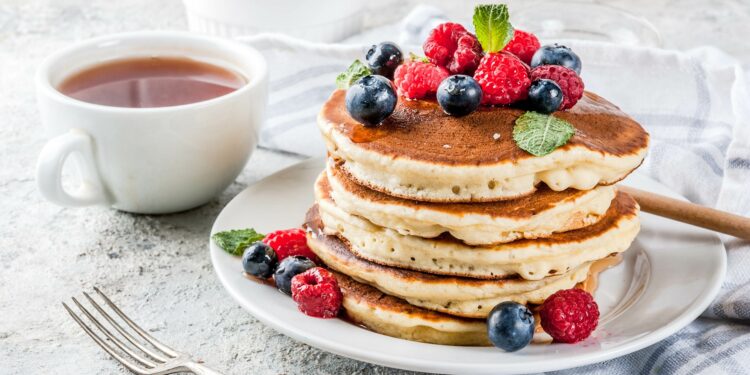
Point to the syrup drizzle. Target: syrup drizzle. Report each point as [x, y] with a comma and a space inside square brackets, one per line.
[268, 281]
[362, 134]
[601, 265]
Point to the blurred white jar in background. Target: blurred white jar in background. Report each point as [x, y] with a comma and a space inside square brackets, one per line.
[322, 21]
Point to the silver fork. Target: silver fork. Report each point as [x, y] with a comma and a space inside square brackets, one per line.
[159, 359]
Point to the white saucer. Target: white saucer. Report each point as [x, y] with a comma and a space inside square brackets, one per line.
[668, 277]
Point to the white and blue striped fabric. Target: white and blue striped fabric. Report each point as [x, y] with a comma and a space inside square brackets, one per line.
[695, 105]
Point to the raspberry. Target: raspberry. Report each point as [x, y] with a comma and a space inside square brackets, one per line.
[290, 242]
[317, 293]
[569, 315]
[523, 45]
[452, 47]
[503, 77]
[570, 83]
[416, 79]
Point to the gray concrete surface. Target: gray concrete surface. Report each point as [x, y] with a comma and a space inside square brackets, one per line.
[157, 267]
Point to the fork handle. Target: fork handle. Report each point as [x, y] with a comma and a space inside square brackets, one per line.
[200, 369]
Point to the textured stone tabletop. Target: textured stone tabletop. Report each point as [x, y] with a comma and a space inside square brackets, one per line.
[157, 267]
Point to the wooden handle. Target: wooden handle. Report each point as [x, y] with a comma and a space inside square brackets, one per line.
[690, 213]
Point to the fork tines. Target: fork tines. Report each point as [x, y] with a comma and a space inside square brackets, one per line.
[138, 357]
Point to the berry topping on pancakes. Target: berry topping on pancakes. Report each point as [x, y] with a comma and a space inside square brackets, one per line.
[451, 46]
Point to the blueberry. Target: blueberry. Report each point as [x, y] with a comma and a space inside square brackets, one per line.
[384, 58]
[288, 268]
[555, 54]
[510, 326]
[545, 96]
[371, 99]
[459, 95]
[259, 260]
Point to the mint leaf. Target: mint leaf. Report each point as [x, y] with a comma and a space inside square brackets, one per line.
[354, 72]
[540, 134]
[236, 240]
[414, 57]
[493, 29]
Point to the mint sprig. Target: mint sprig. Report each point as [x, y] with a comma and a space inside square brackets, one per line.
[414, 57]
[492, 27]
[235, 241]
[354, 72]
[540, 134]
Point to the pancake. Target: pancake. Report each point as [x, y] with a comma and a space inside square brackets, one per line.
[421, 153]
[391, 316]
[445, 255]
[366, 306]
[388, 315]
[535, 216]
[466, 297]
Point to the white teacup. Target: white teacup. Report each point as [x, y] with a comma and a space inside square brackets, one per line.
[149, 160]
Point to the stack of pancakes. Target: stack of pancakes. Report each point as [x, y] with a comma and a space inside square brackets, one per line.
[429, 221]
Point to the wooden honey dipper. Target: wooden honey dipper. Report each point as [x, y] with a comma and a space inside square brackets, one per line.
[690, 213]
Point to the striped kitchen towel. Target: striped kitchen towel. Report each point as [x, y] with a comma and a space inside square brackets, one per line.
[694, 103]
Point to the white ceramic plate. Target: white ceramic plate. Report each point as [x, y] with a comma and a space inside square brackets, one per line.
[668, 277]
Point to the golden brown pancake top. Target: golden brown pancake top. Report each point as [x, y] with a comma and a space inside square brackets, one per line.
[420, 130]
[527, 206]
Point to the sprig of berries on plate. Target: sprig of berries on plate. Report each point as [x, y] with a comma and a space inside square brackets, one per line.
[285, 256]
[497, 65]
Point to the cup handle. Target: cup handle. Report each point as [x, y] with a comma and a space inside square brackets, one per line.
[78, 144]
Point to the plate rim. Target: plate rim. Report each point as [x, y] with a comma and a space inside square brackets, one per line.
[693, 311]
